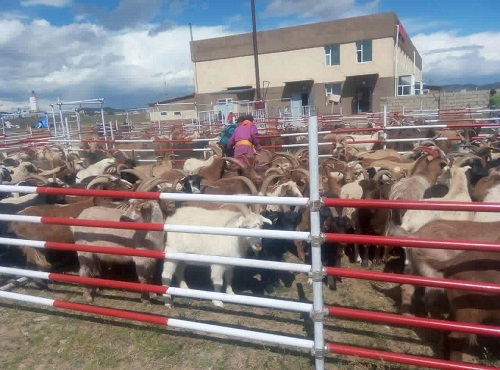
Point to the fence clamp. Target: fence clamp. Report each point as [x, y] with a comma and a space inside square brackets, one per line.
[316, 241]
[317, 275]
[315, 205]
[319, 353]
[318, 315]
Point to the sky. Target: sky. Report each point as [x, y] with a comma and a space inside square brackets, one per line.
[133, 52]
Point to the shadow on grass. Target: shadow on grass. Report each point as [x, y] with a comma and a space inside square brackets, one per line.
[109, 322]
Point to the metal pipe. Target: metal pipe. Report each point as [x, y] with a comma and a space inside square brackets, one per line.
[255, 52]
[470, 286]
[412, 204]
[315, 238]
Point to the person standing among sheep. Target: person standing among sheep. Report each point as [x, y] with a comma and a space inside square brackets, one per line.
[244, 140]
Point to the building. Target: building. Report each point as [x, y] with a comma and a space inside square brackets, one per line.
[175, 109]
[345, 65]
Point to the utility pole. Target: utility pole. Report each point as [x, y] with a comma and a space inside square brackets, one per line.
[255, 52]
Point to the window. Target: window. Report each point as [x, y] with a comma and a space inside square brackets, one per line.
[418, 88]
[333, 89]
[364, 51]
[177, 113]
[405, 84]
[163, 113]
[332, 55]
[224, 101]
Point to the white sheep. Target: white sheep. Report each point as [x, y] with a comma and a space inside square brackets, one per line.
[192, 165]
[217, 245]
[95, 169]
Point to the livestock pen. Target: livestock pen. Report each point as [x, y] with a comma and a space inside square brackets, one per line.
[314, 313]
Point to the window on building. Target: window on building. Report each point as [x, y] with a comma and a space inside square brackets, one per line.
[405, 84]
[163, 113]
[333, 89]
[332, 55]
[177, 113]
[418, 88]
[364, 51]
[224, 101]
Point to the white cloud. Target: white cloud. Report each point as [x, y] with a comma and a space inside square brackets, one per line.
[54, 3]
[325, 9]
[414, 26]
[84, 60]
[451, 57]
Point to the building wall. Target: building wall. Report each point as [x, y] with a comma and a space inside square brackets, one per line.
[294, 65]
[443, 100]
[172, 115]
[342, 31]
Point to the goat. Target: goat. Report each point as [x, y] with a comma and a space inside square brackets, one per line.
[22, 172]
[470, 307]
[217, 245]
[425, 172]
[94, 169]
[371, 221]
[274, 249]
[422, 259]
[414, 219]
[51, 233]
[137, 211]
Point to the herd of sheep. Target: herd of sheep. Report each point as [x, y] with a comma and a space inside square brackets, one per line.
[428, 170]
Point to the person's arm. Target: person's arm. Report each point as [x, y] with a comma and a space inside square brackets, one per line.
[253, 136]
[231, 141]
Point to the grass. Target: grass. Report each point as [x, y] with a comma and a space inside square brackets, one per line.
[40, 338]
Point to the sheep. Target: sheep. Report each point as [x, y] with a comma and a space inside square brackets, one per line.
[21, 172]
[217, 245]
[423, 259]
[192, 166]
[5, 174]
[274, 249]
[137, 211]
[470, 307]
[414, 219]
[492, 195]
[95, 169]
[51, 233]
[425, 173]
[371, 221]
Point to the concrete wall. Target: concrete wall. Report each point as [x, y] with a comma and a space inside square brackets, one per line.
[442, 100]
[294, 65]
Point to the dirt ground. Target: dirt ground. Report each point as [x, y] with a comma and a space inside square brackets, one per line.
[35, 337]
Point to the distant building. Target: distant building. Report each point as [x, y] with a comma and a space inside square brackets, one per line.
[312, 65]
[310, 69]
[176, 109]
[33, 103]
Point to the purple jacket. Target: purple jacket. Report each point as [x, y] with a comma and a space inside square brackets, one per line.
[246, 132]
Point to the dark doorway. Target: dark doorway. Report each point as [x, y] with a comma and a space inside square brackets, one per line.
[363, 99]
[305, 99]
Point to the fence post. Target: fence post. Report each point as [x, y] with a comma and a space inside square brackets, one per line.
[316, 241]
[385, 125]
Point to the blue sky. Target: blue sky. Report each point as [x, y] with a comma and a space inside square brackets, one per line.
[136, 51]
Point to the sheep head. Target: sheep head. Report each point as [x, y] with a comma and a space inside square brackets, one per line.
[141, 210]
[248, 220]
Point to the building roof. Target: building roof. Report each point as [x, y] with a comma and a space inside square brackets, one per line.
[340, 31]
[173, 100]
